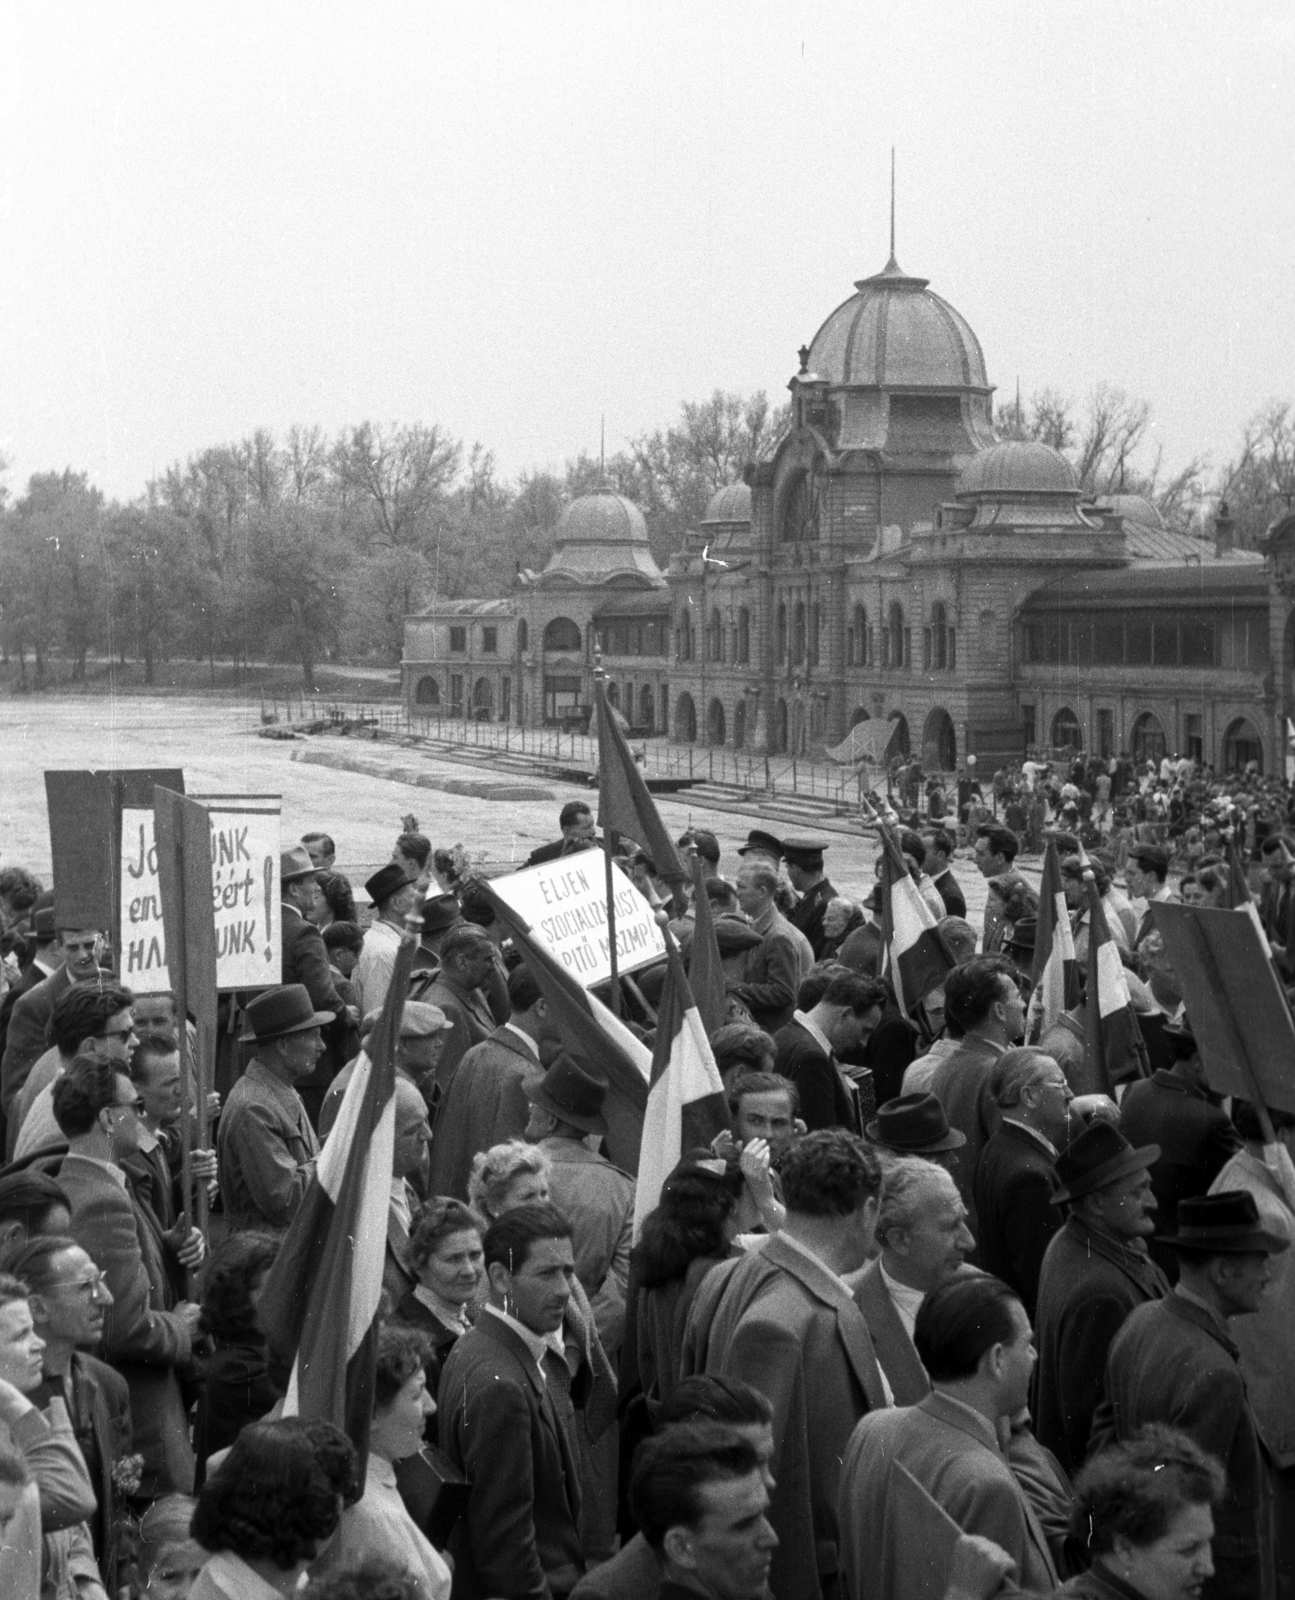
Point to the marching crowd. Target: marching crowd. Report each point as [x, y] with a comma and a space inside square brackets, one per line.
[932, 1302]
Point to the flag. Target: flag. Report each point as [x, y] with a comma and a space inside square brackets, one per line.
[866, 741]
[321, 1300]
[1114, 1051]
[685, 1106]
[705, 965]
[1055, 974]
[624, 804]
[917, 958]
[597, 1040]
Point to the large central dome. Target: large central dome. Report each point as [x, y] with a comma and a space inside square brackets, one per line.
[895, 334]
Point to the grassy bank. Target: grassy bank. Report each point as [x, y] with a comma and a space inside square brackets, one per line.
[268, 680]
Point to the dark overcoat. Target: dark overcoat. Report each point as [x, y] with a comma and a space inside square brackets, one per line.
[1015, 1218]
[484, 1105]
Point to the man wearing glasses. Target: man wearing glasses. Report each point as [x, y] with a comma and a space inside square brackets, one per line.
[88, 1019]
[148, 1332]
[69, 1297]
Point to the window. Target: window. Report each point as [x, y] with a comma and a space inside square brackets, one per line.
[685, 719]
[489, 641]
[428, 692]
[899, 645]
[458, 640]
[1193, 742]
[939, 638]
[523, 636]
[743, 636]
[1165, 635]
[1139, 650]
[1106, 732]
[1108, 645]
[782, 635]
[1066, 732]
[1198, 642]
[715, 640]
[505, 700]
[858, 639]
[1027, 725]
[798, 634]
[561, 697]
[815, 627]
[562, 634]
[684, 640]
[456, 694]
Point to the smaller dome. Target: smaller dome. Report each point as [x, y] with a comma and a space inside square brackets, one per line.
[1133, 508]
[601, 518]
[732, 503]
[1018, 466]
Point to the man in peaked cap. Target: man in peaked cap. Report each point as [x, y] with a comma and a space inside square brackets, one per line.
[759, 843]
[266, 1148]
[1096, 1270]
[393, 893]
[1176, 1362]
[305, 960]
[804, 858]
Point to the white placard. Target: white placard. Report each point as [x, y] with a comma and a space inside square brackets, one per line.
[565, 902]
[245, 894]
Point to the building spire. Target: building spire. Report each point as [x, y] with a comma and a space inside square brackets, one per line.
[892, 268]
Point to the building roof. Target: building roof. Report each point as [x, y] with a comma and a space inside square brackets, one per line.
[732, 503]
[601, 538]
[631, 603]
[893, 333]
[1214, 582]
[469, 608]
[1018, 466]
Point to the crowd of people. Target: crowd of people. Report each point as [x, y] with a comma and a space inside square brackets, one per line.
[929, 1304]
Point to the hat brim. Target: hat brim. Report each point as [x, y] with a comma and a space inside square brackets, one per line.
[317, 1019]
[1257, 1241]
[953, 1140]
[306, 872]
[537, 1097]
[1118, 1167]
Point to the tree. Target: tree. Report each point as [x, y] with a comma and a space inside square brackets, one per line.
[1259, 484]
[399, 475]
[298, 560]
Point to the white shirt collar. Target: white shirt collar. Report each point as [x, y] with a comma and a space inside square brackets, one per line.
[401, 1204]
[443, 1310]
[907, 1301]
[537, 1343]
[814, 1031]
[525, 1038]
[1034, 1134]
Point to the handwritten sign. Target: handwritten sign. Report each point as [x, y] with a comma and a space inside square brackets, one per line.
[245, 895]
[565, 902]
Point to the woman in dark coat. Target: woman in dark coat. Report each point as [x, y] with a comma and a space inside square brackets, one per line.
[237, 1387]
[445, 1251]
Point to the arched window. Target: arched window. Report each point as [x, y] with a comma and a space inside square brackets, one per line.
[859, 638]
[523, 636]
[715, 730]
[780, 728]
[899, 653]
[1147, 740]
[428, 692]
[939, 638]
[1242, 744]
[684, 635]
[744, 636]
[815, 629]
[782, 635]
[1066, 732]
[716, 640]
[685, 719]
[483, 700]
[562, 634]
[798, 634]
[739, 724]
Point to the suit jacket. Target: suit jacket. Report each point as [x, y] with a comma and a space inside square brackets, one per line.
[896, 1352]
[808, 915]
[484, 1105]
[25, 1042]
[305, 960]
[774, 971]
[1175, 1362]
[778, 1319]
[1087, 1288]
[519, 1537]
[961, 1084]
[633, 1573]
[953, 1453]
[27, 980]
[825, 1099]
[950, 891]
[1195, 1137]
[598, 1200]
[470, 1018]
[263, 1149]
[1015, 1181]
[143, 1338]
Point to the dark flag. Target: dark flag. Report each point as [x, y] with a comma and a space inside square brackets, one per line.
[705, 966]
[624, 804]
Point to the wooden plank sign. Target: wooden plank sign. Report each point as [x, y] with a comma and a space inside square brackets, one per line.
[1234, 1001]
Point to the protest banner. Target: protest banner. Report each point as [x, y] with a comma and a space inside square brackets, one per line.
[1234, 1002]
[89, 841]
[245, 895]
[183, 857]
[565, 902]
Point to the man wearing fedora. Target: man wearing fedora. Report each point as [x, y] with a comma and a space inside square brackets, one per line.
[808, 1050]
[266, 1147]
[1176, 1362]
[1095, 1272]
[305, 959]
[1016, 1176]
[441, 912]
[924, 1238]
[915, 1125]
[394, 894]
[566, 1107]
[486, 1102]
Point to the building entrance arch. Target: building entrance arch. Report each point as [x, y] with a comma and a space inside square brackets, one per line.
[715, 729]
[940, 742]
[427, 692]
[1066, 732]
[647, 707]
[685, 719]
[900, 743]
[1242, 744]
[780, 728]
[1147, 739]
[483, 699]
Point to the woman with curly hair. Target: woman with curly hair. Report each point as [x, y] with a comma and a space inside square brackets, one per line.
[445, 1252]
[268, 1508]
[690, 1230]
[506, 1176]
[238, 1388]
[378, 1524]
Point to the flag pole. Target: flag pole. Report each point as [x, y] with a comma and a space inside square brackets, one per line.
[609, 833]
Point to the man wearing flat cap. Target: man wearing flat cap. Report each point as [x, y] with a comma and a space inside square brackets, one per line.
[305, 960]
[393, 893]
[1176, 1362]
[1096, 1270]
[424, 1030]
[804, 858]
[266, 1148]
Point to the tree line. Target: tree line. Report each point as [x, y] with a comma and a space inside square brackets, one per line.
[308, 547]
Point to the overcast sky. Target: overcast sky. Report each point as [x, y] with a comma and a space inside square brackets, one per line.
[513, 218]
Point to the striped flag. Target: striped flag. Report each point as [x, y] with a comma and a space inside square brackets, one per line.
[321, 1300]
[917, 959]
[624, 805]
[1114, 1051]
[705, 966]
[686, 1106]
[600, 1042]
[1055, 974]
